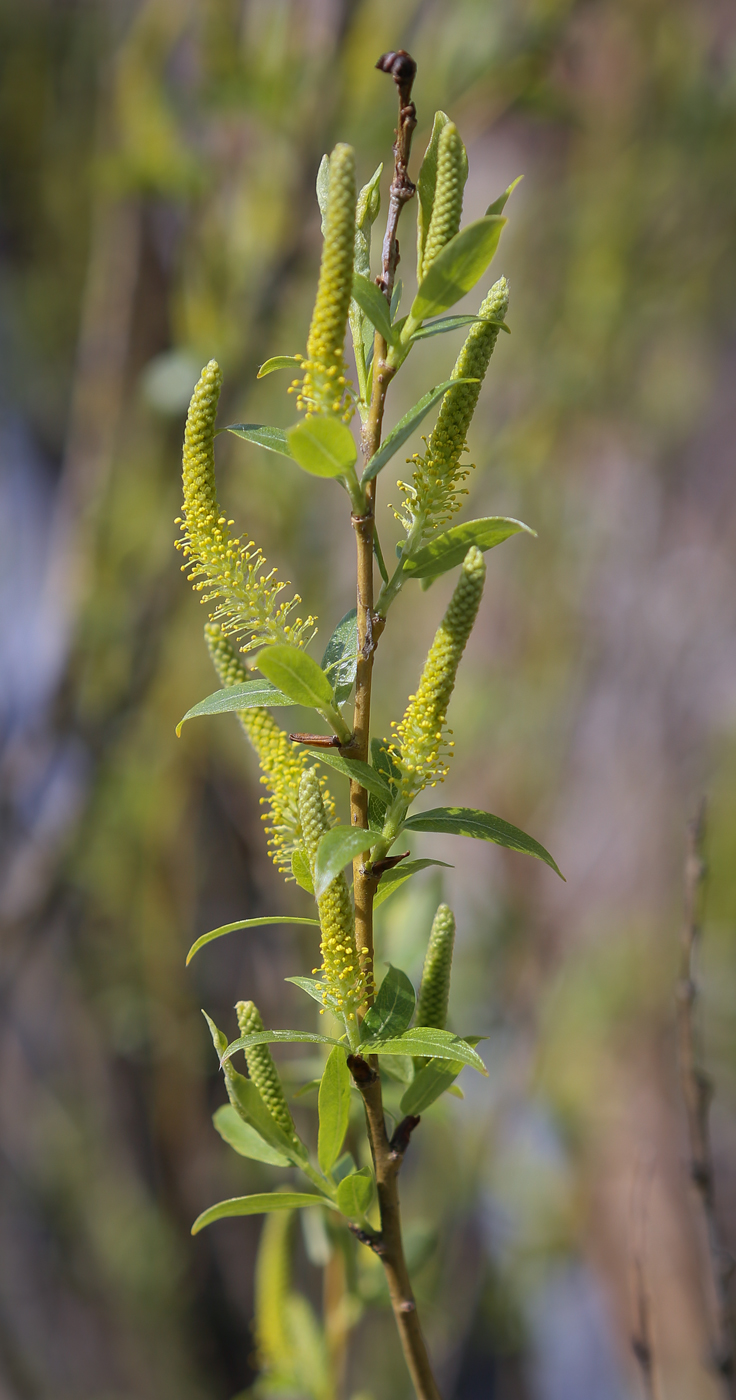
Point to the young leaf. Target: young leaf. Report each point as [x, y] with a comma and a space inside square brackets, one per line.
[355, 1193]
[250, 695]
[340, 660]
[243, 923]
[423, 1040]
[393, 879]
[396, 296]
[393, 1007]
[469, 821]
[454, 323]
[297, 675]
[498, 205]
[431, 1081]
[323, 447]
[343, 1167]
[406, 426]
[334, 1108]
[278, 362]
[272, 438]
[398, 1067]
[449, 550]
[354, 768]
[245, 1140]
[310, 985]
[457, 267]
[259, 1205]
[337, 847]
[301, 871]
[373, 304]
[244, 1042]
[323, 188]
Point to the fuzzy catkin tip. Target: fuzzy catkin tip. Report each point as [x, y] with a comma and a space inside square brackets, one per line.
[325, 387]
[343, 984]
[262, 1069]
[434, 992]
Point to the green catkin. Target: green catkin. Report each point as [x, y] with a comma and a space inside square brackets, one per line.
[436, 486]
[324, 387]
[434, 992]
[423, 743]
[262, 1069]
[272, 1288]
[452, 169]
[343, 984]
[230, 569]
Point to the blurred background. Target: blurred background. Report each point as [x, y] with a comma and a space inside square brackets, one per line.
[157, 167]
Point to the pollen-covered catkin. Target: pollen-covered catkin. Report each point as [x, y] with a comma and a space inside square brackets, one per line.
[436, 486]
[220, 566]
[324, 388]
[434, 992]
[422, 738]
[343, 985]
[262, 1069]
[452, 169]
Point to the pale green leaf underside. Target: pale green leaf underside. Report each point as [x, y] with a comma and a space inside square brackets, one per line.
[393, 879]
[261, 434]
[244, 1139]
[248, 696]
[334, 1108]
[275, 1038]
[483, 826]
[457, 267]
[498, 205]
[337, 847]
[406, 426]
[448, 550]
[323, 447]
[393, 1007]
[297, 675]
[301, 871]
[355, 768]
[454, 323]
[431, 1081]
[244, 923]
[278, 362]
[260, 1204]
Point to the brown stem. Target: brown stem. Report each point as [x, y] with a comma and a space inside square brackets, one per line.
[697, 1091]
[642, 1341]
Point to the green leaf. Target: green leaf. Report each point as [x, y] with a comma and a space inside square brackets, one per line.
[259, 1205]
[279, 362]
[301, 871]
[323, 188]
[354, 768]
[423, 1040]
[398, 1067]
[428, 1084]
[247, 1102]
[340, 660]
[243, 923]
[334, 1109]
[483, 826]
[310, 985]
[337, 847]
[297, 675]
[498, 205]
[393, 879]
[406, 426]
[373, 304]
[393, 1007]
[457, 267]
[272, 438]
[245, 1042]
[454, 323]
[343, 1167]
[245, 1140]
[355, 1194]
[323, 446]
[449, 550]
[250, 695]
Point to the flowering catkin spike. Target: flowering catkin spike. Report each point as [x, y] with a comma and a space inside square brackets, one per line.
[423, 743]
[272, 1286]
[262, 1069]
[434, 992]
[452, 172]
[282, 763]
[436, 486]
[324, 388]
[231, 570]
[343, 985]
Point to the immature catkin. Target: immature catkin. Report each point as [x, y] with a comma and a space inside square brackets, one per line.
[423, 742]
[452, 170]
[272, 1287]
[433, 496]
[230, 569]
[434, 992]
[262, 1069]
[324, 387]
[343, 984]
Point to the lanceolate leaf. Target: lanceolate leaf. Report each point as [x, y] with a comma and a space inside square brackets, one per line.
[272, 438]
[355, 1193]
[355, 768]
[374, 305]
[498, 205]
[337, 847]
[278, 362]
[301, 871]
[334, 1108]
[244, 1139]
[393, 879]
[259, 1205]
[243, 923]
[310, 985]
[469, 821]
[428, 1084]
[406, 426]
[423, 1040]
[323, 446]
[454, 323]
[449, 550]
[250, 695]
[393, 1007]
[297, 675]
[340, 660]
[276, 1038]
[457, 267]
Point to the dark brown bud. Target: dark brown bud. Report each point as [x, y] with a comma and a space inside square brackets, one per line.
[317, 741]
[399, 64]
[402, 1133]
[361, 1070]
[380, 867]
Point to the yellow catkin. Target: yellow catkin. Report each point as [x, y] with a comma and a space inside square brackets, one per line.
[262, 1069]
[423, 744]
[434, 993]
[343, 984]
[222, 567]
[452, 169]
[324, 387]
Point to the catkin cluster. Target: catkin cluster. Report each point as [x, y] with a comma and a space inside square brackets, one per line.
[452, 169]
[324, 387]
[262, 1069]
[230, 569]
[433, 495]
[282, 763]
[422, 738]
[434, 993]
[343, 985]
